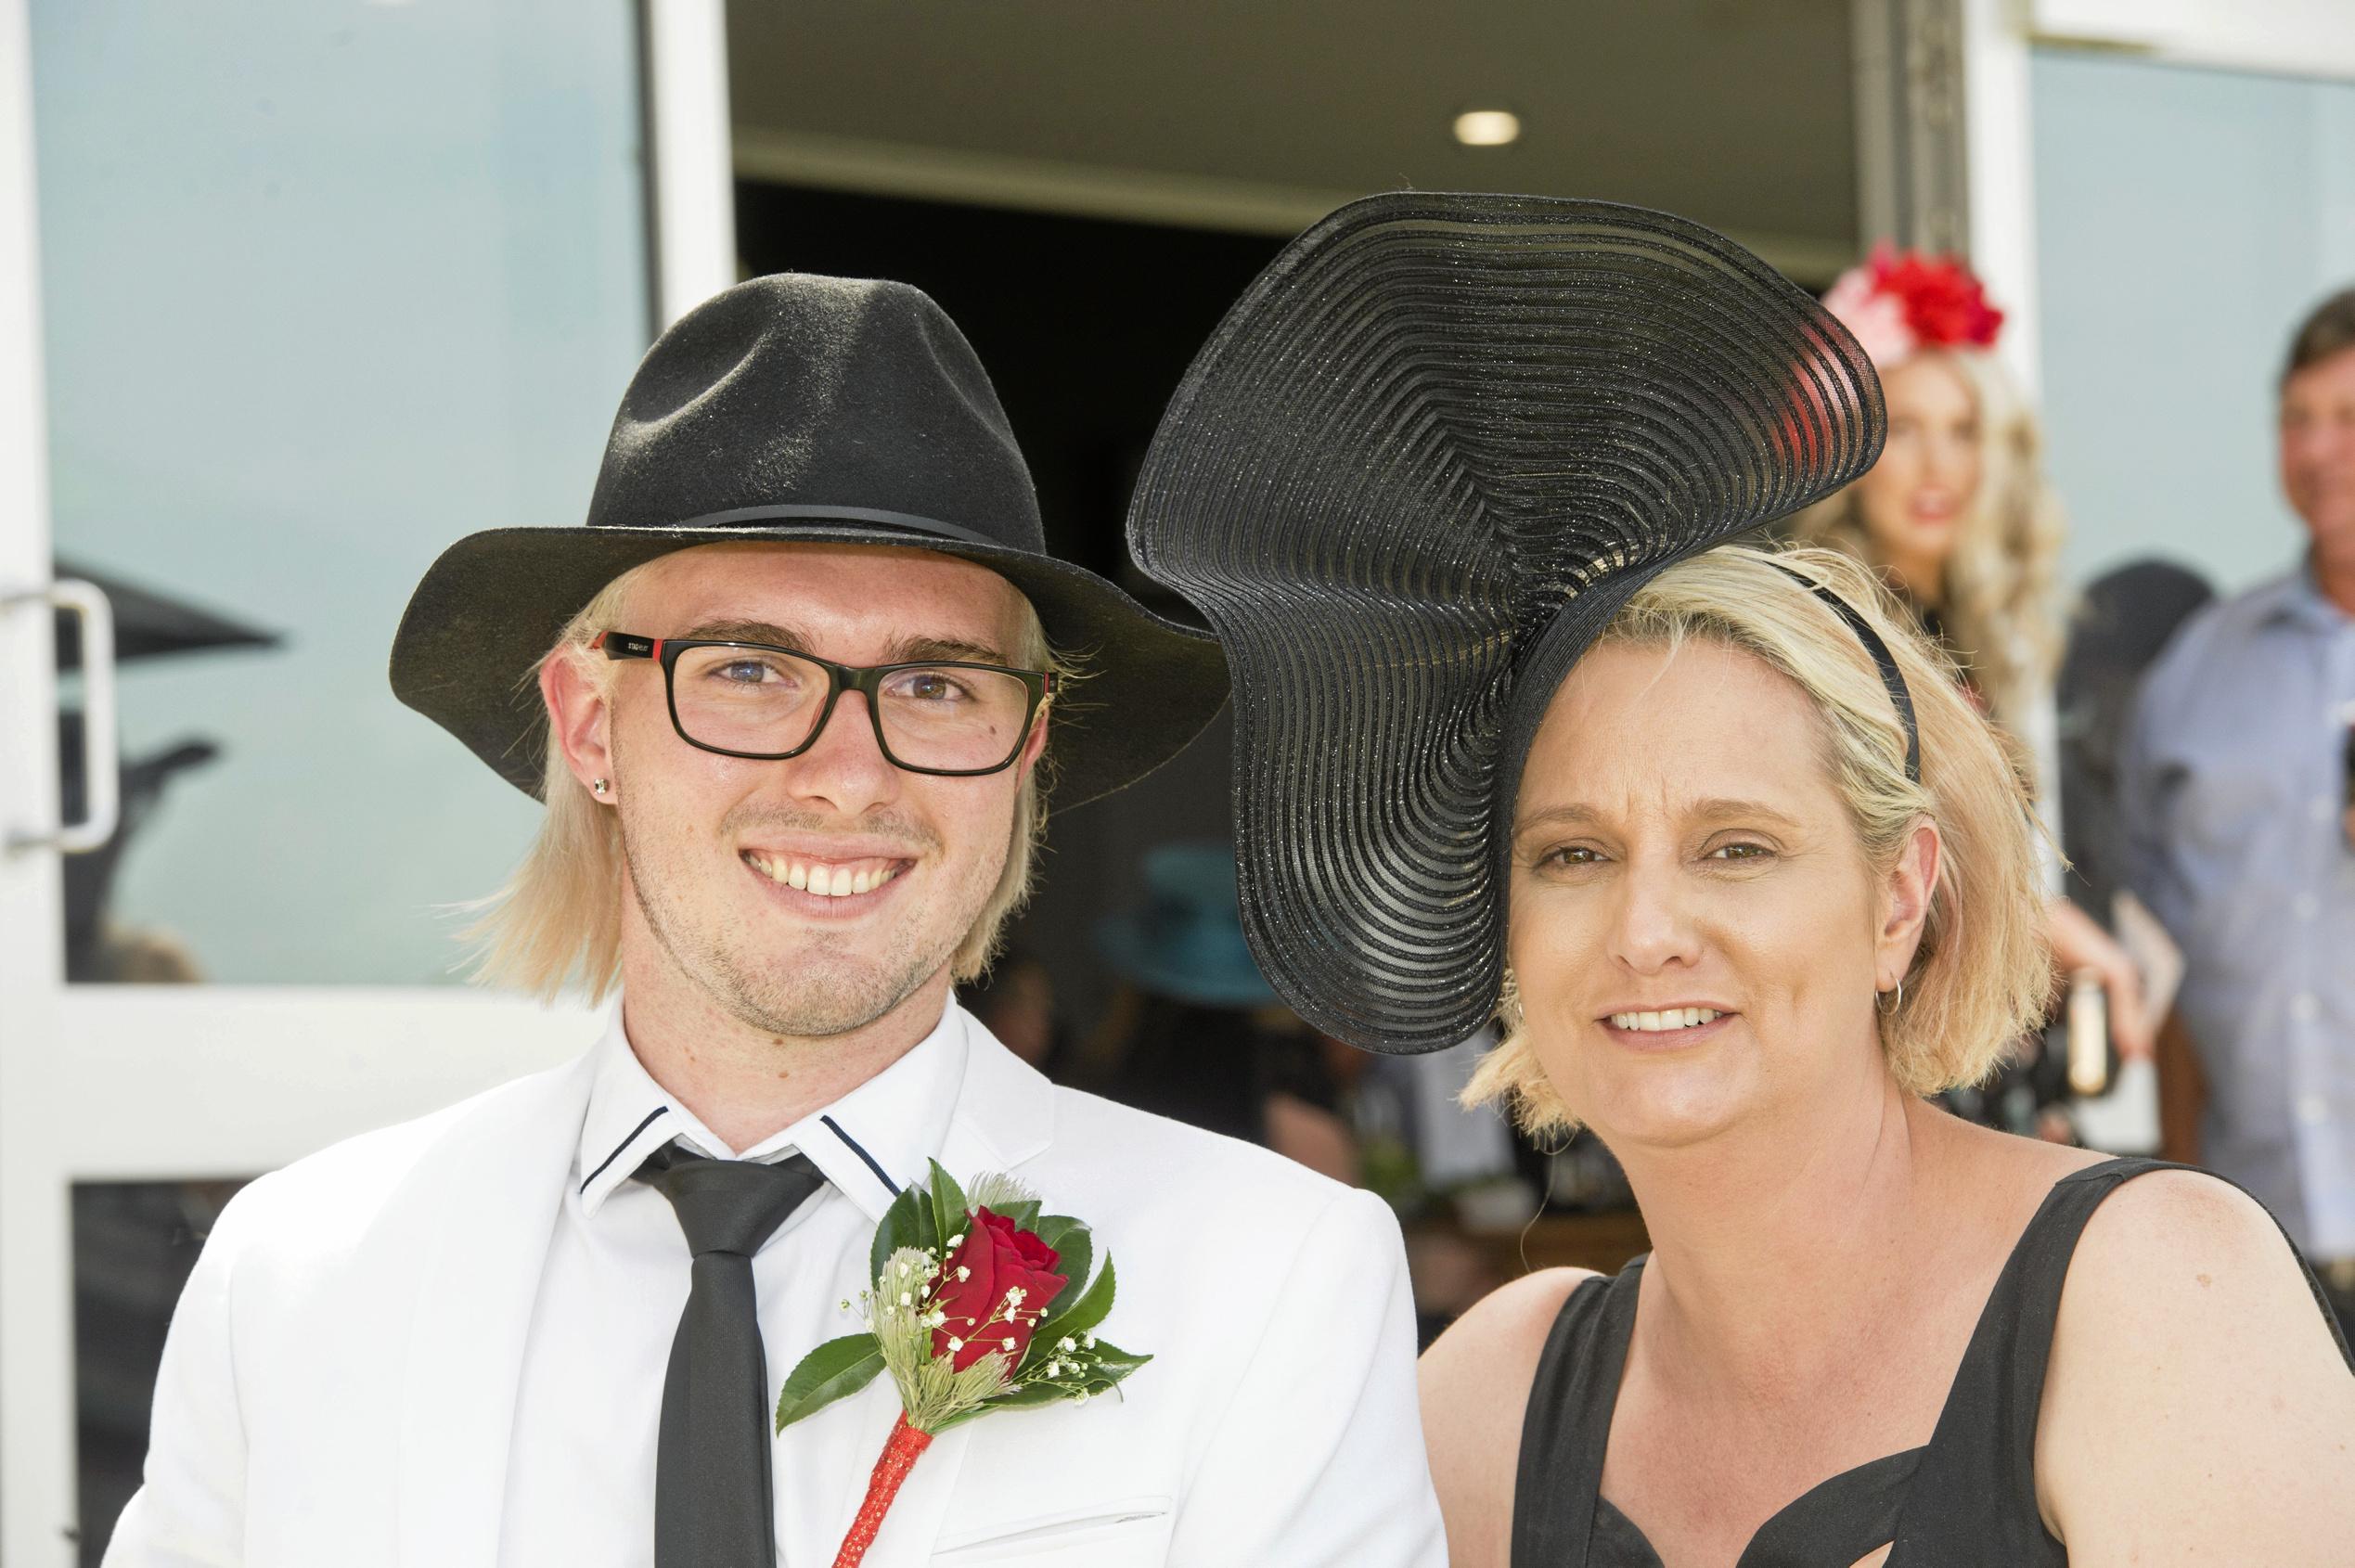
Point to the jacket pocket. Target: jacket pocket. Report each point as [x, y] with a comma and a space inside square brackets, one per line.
[1128, 1533]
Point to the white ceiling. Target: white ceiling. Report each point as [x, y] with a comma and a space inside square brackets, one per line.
[1260, 114]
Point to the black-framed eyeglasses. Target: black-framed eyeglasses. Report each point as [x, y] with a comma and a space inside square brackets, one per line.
[752, 700]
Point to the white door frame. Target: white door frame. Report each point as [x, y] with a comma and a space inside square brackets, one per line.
[130, 1083]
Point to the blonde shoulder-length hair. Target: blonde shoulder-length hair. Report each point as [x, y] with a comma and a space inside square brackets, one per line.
[1981, 972]
[2001, 597]
[559, 915]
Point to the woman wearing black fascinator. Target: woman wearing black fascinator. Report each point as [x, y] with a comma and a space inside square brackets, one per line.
[1708, 827]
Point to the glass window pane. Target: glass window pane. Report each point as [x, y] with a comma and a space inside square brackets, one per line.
[324, 287]
[134, 1243]
[2186, 219]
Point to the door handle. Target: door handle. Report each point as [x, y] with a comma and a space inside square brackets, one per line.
[101, 762]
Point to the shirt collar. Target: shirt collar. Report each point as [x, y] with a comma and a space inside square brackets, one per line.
[868, 1144]
[2297, 598]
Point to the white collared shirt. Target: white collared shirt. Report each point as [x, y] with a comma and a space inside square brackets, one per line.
[580, 1485]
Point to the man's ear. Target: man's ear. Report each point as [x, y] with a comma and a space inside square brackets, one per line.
[1905, 904]
[580, 716]
[1035, 744]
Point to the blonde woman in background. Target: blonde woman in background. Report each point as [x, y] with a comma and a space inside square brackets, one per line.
[1960, 521]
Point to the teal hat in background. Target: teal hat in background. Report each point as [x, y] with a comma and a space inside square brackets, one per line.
[1186, 942]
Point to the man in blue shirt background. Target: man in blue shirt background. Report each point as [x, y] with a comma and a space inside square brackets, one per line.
[2240, 826]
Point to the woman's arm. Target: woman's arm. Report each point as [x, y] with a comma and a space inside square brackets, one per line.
[1474, 1382]
[2079, 943]
[2196, 1408]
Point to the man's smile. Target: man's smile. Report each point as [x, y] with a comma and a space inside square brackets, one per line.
[819, 877]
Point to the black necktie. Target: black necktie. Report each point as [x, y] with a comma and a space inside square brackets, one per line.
[713, 1504]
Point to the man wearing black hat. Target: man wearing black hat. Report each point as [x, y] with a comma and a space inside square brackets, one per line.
[801, 683]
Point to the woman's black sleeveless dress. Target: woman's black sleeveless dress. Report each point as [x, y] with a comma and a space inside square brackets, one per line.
[1966, 1500]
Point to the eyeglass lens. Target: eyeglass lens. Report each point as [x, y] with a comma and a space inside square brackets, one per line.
[767, 702]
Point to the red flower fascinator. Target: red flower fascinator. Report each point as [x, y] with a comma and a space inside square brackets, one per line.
[1900, 303]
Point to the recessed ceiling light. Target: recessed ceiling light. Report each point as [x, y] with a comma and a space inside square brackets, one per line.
[1487, 127]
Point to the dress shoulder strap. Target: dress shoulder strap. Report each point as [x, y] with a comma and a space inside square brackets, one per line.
[1566, 1426]
[1978, 1479]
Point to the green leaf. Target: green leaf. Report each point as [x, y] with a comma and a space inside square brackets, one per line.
[1108, 1364]
[1052, 1229]
[1029, 1395]
[907, 1223]
[949, 1212]
[1083, 1314]
[1025, 1215]
[1108, 1376]
[1113, 1364]
[1076, 1249]
[834, 1370]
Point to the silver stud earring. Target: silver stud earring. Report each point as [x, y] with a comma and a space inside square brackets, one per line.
[600, 785]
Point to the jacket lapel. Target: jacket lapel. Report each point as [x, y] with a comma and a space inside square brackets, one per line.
[482, 1220]
[1004, 1117]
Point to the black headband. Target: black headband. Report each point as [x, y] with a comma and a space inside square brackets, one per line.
[1882, 659]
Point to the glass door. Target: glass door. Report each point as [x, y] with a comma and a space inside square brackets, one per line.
[292, 296]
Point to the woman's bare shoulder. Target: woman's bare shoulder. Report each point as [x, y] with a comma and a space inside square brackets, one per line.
[1474, 1382]
[1505, 1329]
[2194, 1393]
[2181, 1232]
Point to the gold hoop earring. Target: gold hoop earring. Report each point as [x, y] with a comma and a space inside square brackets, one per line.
[1891, 1010]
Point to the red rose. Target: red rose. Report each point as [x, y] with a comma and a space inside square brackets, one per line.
[994, 1291]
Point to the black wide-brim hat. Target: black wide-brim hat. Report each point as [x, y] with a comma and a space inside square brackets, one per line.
[1420, 464]
[802, 410]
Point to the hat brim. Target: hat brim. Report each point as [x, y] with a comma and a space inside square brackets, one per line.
[1409, 479]
[1125, 945]
[493, 603]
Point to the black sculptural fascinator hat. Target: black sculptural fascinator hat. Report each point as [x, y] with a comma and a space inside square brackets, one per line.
[1418, 469]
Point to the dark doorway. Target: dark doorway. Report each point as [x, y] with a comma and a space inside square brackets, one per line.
[1086, 326]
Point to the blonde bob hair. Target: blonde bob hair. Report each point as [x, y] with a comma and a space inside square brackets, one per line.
[2001, 597]
[1981, 973]
[559, 915]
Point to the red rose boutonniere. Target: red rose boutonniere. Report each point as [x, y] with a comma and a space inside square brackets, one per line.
[973, 1310]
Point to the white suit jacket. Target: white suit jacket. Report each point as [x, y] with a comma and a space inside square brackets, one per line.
[340, 1384]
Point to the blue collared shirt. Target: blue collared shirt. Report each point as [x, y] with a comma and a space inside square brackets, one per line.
[2232, 787]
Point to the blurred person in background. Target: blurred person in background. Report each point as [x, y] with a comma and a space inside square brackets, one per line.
[1960, 523]
[1197, 1034]
[2238, 784]
[1014, 999]
[2125, 617]
[797, 698]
